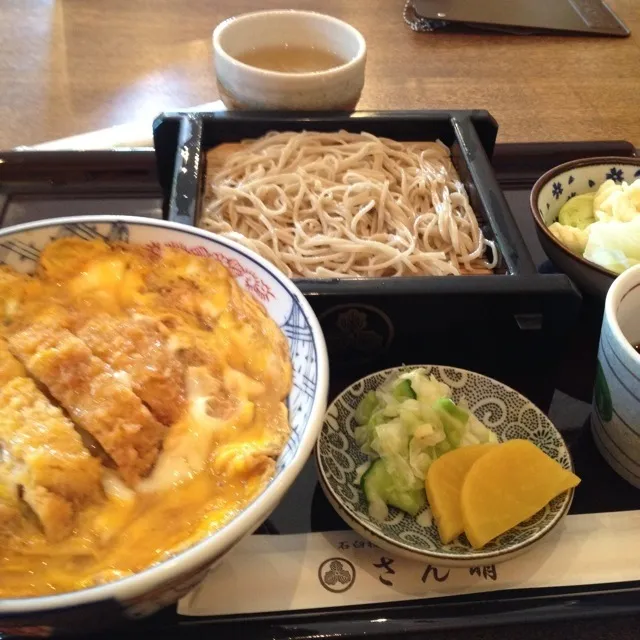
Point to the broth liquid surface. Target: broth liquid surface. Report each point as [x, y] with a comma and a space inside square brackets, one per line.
[291, 59]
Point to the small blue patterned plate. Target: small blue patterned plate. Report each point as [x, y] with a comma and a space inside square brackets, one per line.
[503, 410]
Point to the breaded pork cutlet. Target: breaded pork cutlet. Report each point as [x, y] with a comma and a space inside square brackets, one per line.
[96, 398]
[202, 292]
[137, 346]
[9, 517]
[10, 513]
[9, 367]
[44, 455]
[11, 292]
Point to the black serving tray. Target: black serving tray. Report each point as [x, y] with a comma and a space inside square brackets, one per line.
[52, 184]
[491, 324]
[182, 139]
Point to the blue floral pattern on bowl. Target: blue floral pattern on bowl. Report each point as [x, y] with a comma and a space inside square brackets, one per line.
[617, 175]
[506, 412]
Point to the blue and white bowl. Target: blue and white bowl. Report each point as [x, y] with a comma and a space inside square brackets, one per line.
[502, 409]
[558, 185]
[150, 590]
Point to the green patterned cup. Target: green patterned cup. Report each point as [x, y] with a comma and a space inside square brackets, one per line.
[615, 418]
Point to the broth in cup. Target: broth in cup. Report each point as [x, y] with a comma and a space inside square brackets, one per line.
[288, 60]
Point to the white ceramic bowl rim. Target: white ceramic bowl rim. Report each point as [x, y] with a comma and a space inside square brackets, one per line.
[282, 76]
[546, 177]
[478, 556]
[624, 284]
[225, 538]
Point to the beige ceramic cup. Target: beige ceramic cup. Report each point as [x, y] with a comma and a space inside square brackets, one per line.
[245, 87]
[615, 419]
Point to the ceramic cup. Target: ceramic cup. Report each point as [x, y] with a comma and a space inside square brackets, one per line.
[242, 86]
[615, 419]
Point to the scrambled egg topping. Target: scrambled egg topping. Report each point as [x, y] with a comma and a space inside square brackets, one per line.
[141, 408]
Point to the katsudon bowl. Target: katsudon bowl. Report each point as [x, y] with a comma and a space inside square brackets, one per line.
[151, 589]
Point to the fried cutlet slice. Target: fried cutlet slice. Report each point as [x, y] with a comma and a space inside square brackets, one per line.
[45, 456]
[9, 367]
[256, 345]
[97, 398]
[12, 286]
[204, 290]
[9, 517]
[54, 512]
[10, 513]
[137, 346]
[194, 287]
[255, 447]
[65, 258]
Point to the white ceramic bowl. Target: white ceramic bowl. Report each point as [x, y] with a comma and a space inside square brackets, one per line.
[245, 87]
[507, 413]
[615, 418]
[553, 189]
[148, 591]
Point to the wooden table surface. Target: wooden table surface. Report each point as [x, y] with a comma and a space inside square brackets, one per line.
[71, 66]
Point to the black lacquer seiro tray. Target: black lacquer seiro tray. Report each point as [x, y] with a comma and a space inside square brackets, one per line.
[477, 322]
[543, 359]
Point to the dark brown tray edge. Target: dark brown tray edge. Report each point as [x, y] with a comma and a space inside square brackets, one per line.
[520, 164]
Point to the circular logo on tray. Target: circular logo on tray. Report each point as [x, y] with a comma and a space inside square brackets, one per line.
[356, 332]
[337, 575]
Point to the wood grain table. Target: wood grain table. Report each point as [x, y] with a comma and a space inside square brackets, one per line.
[70, 66]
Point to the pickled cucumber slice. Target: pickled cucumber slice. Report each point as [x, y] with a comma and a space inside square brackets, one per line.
[578, 211]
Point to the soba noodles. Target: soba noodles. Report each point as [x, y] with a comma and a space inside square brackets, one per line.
[324, 205]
